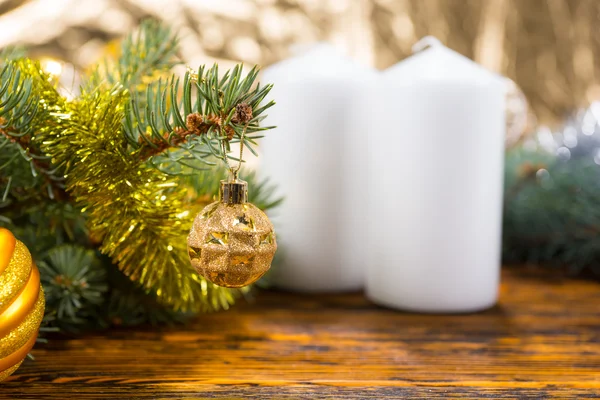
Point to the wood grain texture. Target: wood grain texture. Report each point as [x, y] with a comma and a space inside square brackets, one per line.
[541, 341]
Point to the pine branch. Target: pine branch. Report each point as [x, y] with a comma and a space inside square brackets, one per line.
[27, 97]
[122, 155]
[74, 282]
[550, 218]
[40, 163]
[145, 56]
[11, 53]
[212, 111]
[141, 215]
[43, 225]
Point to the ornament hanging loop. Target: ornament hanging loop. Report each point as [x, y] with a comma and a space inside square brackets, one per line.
[234, 172]
[234, 190]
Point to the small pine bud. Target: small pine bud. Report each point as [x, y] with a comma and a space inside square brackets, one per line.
[243, 113]
[178, 131]
[193, 122]
[229, 131]
[214, 119]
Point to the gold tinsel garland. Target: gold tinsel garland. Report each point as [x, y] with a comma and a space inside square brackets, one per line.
[100, 158]
[140, 215]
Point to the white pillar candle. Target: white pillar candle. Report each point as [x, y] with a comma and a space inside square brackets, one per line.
[316, 156]
[436, 173]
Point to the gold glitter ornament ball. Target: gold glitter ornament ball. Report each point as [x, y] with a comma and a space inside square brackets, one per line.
[21, 303]
[232, 242]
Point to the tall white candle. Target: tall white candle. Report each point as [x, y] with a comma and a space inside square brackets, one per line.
[317, 157]
[436, 184]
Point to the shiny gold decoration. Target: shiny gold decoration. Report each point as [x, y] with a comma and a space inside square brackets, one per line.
[21, 303]
[144, 238]
[137, 211]
[9, 243]
[232, 242]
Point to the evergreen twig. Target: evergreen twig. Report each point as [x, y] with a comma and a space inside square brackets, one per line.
[125, 161]
[213, 112]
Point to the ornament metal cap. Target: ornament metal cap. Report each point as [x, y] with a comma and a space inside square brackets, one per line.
[234, 192]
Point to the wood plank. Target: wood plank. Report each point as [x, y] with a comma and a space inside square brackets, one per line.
[542, 340]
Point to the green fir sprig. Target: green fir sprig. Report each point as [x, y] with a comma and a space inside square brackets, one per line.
[102, 187]
[550, 214]
[75, 284]
[198, 120]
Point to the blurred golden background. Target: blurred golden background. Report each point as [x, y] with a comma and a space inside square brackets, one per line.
[549, 47]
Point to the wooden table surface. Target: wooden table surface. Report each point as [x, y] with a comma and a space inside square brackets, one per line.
[541, 341]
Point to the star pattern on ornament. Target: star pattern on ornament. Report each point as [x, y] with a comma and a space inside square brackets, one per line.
[247, 222]
[267, 238]
[221, 238]
[194, 252]
[241, 260]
